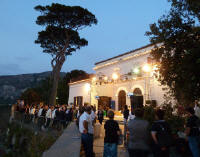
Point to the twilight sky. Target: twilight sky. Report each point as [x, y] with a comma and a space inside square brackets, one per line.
[121, 28]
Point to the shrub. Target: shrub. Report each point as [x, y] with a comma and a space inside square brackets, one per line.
[24, 142]
[176, 123]
[149, 114]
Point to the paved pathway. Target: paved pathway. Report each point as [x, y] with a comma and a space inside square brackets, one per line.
[67, 145]
[99, 143]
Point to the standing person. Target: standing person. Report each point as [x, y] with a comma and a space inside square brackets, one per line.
[67, 114]
[112, 133]
[192, 132]
[62, 118]
[125, 115]
[100, 115]
[71, 113]
[93, 115]
[87, 131]
[161, 135]
[43, 114]
[36, 114]
[48, 117]
[12, 115]
[39, 122]
[53, 116]
[32, 113]
[138, 135]
[131, 114]
[197, 108]
[80, 112]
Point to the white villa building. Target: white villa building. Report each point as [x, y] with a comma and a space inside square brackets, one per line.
[124, 79]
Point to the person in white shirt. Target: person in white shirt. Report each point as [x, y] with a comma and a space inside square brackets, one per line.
[40, 111]
[86, 130]
[131, 115]
[32, 112]
[54, 113]
[48, 117]
[40, 118]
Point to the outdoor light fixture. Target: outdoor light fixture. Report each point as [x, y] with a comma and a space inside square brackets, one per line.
[134, 78]
[146, 68]
[94, 79]
[136, 70]
[87, 87]
[105, 78]
[114, 76]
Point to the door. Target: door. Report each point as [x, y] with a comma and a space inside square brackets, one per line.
[121, 99]
[78, 101]
[136, 99]
[104, 102]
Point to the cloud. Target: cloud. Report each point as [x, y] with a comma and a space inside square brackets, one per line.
[10, 69]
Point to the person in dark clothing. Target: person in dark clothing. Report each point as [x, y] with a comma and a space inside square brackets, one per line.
[125, 114]
[100, 116]
[43, 114]
[62, 118]
[44, 111]
[192, 131]
[56, 117]
[138, 135]
[112, 133]
[161, 135]
[71, 114]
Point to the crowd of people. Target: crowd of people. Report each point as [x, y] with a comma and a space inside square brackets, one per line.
[157, 137]
[142, 137]
[44, 116]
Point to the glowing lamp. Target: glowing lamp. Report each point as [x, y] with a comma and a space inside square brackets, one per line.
[94, 79]
[114, 76]
[105, 78]
[134, 78]
[136, 70]
[87, 87]
[146, 68]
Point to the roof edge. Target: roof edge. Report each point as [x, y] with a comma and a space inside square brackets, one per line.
[123, 54]
[80, 81]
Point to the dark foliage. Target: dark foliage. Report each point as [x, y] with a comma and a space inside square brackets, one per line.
[41, 92]
[178, 55]
[61, 37]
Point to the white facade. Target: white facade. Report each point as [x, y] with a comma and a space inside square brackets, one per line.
[80, 88]
[123, 66]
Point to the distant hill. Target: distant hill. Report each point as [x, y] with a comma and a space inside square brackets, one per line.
[11, 86]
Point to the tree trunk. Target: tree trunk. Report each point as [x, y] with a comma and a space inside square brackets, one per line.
[55, 78]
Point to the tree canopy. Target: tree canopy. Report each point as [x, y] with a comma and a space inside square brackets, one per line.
[61, 37]
[178, 56]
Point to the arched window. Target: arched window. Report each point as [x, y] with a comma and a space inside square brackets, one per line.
[137, 92]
